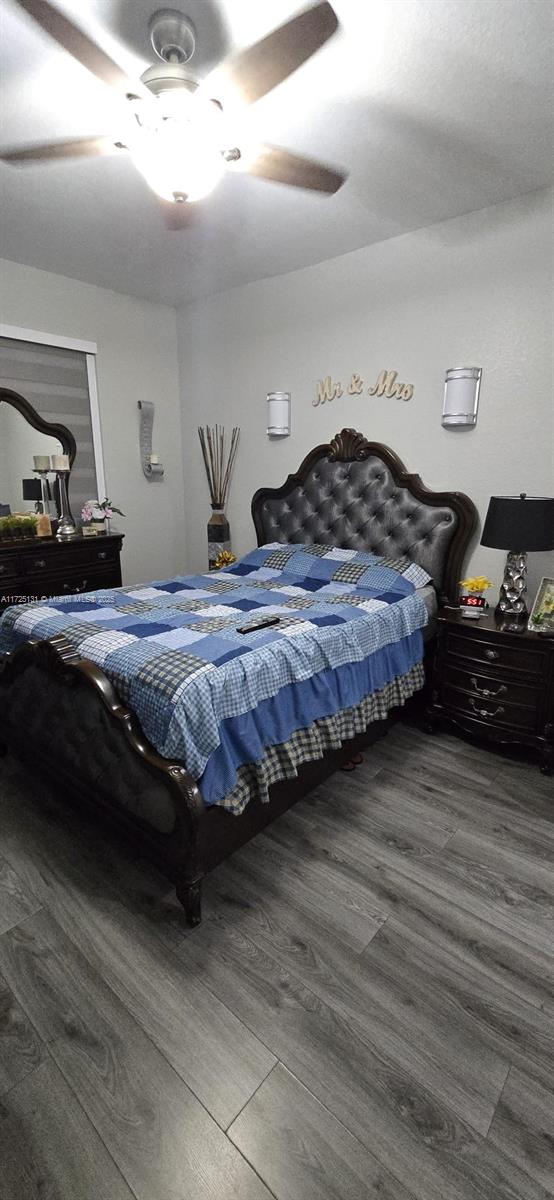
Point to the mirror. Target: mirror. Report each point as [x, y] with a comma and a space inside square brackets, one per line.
[24, 434]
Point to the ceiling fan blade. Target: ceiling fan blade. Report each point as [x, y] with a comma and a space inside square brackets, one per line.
[283, 167]
[80, 45]
[45, 152]
[255, 71]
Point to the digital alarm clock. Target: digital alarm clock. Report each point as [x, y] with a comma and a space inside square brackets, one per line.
[473, 606]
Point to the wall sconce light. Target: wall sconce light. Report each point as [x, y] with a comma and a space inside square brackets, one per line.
[278, 414]
[461, 396]
[151, 464]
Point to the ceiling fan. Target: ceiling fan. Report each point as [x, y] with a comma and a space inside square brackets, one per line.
[177, 132]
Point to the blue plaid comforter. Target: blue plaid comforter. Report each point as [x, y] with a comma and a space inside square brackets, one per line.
[348, 622]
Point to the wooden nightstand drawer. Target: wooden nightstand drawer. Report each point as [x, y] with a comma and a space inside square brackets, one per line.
[493, 712]
[491, 687]
[502, 656]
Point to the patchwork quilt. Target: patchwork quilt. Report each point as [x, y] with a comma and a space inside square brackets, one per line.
[212, 684]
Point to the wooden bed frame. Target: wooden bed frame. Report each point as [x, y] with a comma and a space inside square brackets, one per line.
[93, 748]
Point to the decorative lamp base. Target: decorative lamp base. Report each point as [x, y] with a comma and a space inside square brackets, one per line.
[511, 602]
[65, 530]
[66, 525]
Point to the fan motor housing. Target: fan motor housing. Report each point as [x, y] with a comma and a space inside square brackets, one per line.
[166, 77]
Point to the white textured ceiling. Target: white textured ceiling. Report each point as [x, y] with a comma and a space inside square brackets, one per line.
[435, 107]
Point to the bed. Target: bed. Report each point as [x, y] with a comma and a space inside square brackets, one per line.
[344, 546]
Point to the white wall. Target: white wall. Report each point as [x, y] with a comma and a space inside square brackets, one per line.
[137, 360]
[474, 291]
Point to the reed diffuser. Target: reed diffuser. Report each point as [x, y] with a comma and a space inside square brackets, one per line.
[219, 467]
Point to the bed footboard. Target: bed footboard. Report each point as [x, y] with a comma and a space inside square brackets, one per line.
[61, 714]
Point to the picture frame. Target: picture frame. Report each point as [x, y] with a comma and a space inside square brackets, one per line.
[541, 619]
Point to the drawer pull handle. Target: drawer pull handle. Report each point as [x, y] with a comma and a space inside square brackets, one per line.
[102, 554]
[484, 712]
[40, 562]
[486, 691]
[492, 654]
[74, 589]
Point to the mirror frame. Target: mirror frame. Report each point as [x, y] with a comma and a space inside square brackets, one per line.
[61, 432]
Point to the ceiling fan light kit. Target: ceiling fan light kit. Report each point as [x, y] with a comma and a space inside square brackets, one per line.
[178, 136]
[176, 145]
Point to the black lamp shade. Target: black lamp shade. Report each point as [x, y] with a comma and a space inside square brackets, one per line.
[519, 523]
[31, 489]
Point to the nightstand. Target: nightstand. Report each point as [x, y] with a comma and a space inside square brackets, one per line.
[495, 682]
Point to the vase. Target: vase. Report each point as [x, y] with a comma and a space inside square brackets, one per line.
[219, 535]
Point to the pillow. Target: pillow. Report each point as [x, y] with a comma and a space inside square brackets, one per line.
[328, 564]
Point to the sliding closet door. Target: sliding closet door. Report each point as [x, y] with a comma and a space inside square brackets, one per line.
[55, 381]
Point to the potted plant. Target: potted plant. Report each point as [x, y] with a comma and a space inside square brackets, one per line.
[96, 516]
[15, 527]
[476, 585]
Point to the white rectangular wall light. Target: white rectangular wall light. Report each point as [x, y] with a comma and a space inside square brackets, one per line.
[278, 414]
[461, 396]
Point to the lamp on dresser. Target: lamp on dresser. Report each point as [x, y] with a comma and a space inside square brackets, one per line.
[518, 524]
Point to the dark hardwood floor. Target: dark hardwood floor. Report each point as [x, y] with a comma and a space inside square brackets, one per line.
[367, 1010]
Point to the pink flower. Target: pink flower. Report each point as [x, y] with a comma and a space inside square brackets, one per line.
[87, 512]
[108, 512]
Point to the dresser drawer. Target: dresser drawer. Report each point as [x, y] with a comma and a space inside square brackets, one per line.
[74, 583]
[71, 558]
[501, 656]
[496, 712]
[45, 568]
[491, 687]
[9, 567]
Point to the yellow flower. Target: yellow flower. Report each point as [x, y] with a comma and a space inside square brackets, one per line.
[224, 559]
[476, 583]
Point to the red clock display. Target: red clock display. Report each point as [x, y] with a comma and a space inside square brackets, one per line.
[473, 602]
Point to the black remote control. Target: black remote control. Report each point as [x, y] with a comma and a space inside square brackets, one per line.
[260, 625]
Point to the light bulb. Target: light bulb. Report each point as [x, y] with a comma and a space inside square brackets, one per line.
[177, 146]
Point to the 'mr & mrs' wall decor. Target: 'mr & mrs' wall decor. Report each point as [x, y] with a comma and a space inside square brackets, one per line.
[386, 385]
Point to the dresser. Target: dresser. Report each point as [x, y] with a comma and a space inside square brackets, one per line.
[36, 568]
[494, 682]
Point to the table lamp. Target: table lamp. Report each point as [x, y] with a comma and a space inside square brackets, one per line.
[31, 490]
[524, 522]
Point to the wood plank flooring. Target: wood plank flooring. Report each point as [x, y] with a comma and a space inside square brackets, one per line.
[367, 1009]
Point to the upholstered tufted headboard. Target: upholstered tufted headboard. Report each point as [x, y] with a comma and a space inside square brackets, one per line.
[358, 495]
